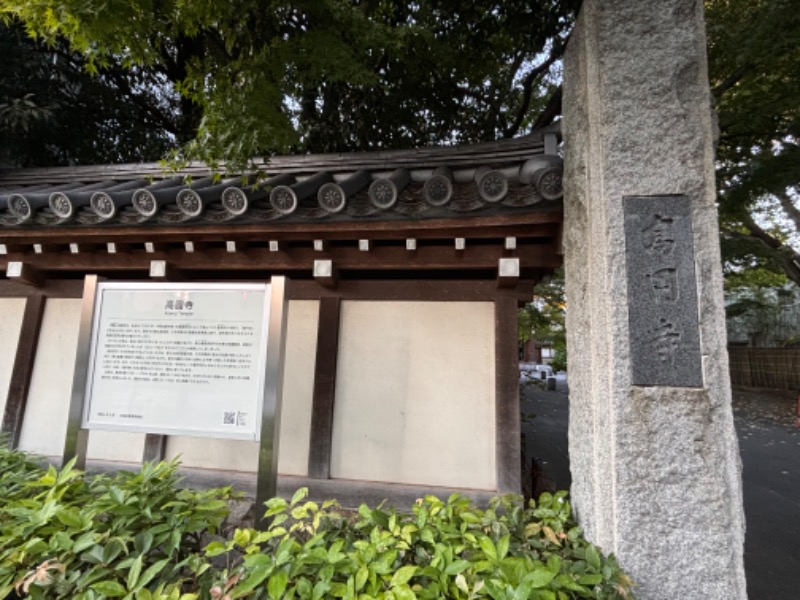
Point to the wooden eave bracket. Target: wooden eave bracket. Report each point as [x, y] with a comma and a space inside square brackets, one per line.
[508, 270]
[325, 273]
[161, 270]
[25, 273]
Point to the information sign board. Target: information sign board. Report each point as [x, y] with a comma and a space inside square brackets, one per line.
[178, 359]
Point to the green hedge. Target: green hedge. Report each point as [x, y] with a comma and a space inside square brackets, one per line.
[139, 536]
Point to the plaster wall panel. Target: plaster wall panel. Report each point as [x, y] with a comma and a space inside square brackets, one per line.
[11, 313]
[45, 423]
[298, 391]
[415, 394]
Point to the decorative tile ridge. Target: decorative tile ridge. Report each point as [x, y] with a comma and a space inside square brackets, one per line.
[462, 156]
[500, 182]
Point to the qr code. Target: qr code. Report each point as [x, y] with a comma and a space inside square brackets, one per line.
[229, 417]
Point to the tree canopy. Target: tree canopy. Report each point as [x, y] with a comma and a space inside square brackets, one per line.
[128, 80]
[754, 61]
[248, 78]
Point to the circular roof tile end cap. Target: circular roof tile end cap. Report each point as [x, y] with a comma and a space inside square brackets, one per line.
[283, 199]
[61, 205]
[235, 201]
[492, 185]
[550, 183]
[331, 198]
[145, 203]
[383, 193]
[437, 190]
[19, 206]
[532, 166]
[189, 203]
[103, 205]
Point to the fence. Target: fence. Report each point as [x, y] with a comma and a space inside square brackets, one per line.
[777, 368]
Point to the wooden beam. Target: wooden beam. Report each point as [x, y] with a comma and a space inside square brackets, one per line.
[18, 387]
[431, 290]
[507, 423]
[52, 288]
[531, 224]
[319, 453]
[25, 273]
[394, 257]
[11, 249]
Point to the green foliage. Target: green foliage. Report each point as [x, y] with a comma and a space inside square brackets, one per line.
[449, 549]
[754, 59]
[132, 535]
[53, 112]
[257, 77]
[543, 319]
[137, 536]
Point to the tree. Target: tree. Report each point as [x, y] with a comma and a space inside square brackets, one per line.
[255, 77]
[754, 60]
[53, 112]
[543, 318]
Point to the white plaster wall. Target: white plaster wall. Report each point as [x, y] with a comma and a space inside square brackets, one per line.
[45, 423]
[415, 399]
[301, 342]
[11, 313]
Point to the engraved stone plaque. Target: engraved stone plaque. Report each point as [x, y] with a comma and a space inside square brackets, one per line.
[662, 292]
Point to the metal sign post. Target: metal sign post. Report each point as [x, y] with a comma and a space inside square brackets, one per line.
[77, 438]
[267, 481]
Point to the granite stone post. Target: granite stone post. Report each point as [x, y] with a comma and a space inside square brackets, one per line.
[656, 474]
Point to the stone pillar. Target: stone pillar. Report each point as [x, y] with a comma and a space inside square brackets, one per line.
[656, 474]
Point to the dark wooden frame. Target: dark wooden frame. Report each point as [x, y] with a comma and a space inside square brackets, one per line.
[22, 371]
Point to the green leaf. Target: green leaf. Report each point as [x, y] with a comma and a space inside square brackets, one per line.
[591, 579]
[488, 548]
[502, 547]
[402, 575]
[151, 572]
[540, 577]
[299, 495]
[143, 542]
[457, 566]
[110, 588]
[277, 584]
[216, 548]
[403, 592]
[361, 577]
[135, 571]
[593, 557]
[255, 579]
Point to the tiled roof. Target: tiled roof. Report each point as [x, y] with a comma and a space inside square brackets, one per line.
[510, 176]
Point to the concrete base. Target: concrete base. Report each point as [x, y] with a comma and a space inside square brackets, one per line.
[348, 492]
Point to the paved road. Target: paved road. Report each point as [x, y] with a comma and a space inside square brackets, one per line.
[770, 449]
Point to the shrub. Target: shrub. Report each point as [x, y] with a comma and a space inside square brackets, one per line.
[63, 535]
[138, 536]
[442, 549]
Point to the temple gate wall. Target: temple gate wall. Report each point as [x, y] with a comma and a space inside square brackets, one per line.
[415, 394]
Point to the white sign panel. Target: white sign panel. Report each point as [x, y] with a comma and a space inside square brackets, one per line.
[178, 359]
